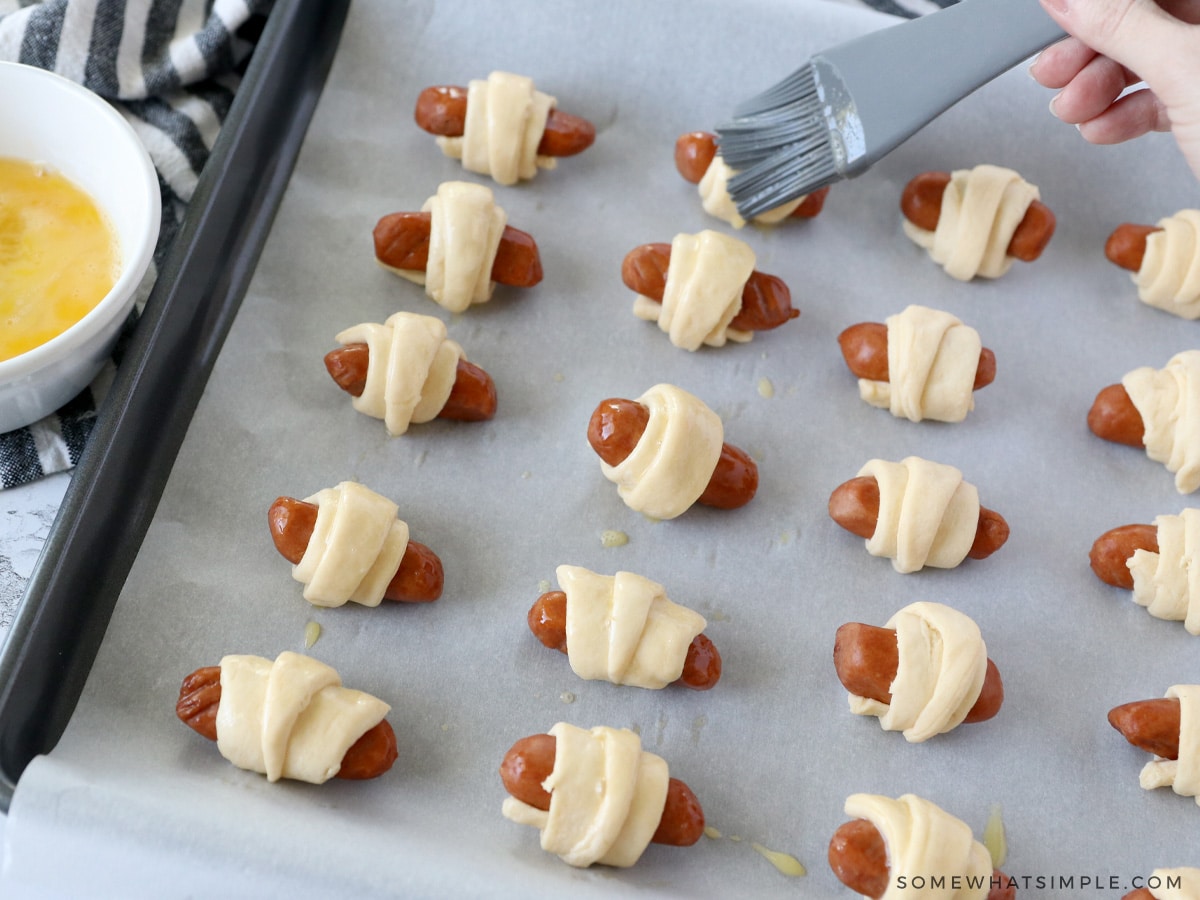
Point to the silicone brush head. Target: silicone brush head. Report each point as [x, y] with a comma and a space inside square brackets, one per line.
[781, 143]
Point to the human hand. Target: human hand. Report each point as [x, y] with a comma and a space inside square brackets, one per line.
[1116, 44]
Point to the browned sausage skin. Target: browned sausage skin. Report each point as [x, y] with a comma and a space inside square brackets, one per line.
[617, 425]
[200, 698]
[472, 397]
[854, 505]
[419, 578]
[766, 299]
[530, 761]
[865, 349]
[921, 204]
[858, 857]
[442, 110]
[402, 242]
[547, 620]
[1113, 549]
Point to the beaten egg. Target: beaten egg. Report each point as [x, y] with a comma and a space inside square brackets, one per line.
[58, 255]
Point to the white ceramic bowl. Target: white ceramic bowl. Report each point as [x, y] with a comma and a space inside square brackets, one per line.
[48, 119]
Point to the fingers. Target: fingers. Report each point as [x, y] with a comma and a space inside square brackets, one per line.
[1092, 91]
[1059, 63]
[1138, 33]
[1132, 116]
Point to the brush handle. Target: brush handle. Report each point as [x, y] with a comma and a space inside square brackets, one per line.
[898, 79]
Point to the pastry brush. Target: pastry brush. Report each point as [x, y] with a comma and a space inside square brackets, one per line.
[852, 104]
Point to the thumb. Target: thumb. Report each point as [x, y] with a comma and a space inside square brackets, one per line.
[1139, 34]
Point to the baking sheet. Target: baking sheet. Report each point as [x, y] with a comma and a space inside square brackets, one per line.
[772, 751]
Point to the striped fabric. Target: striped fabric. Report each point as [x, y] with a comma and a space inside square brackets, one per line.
[171, 67]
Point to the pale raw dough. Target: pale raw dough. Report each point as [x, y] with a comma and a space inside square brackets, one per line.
[928, 515]
[1169, 277]
[1168, 400]
[290, 718]
[673, 461]
[703, 292]
[943, 661]
[411, 369]
[623, 628]
[355, 548]
[506, 118]
[466, 226]
[606, 797]
[932, 361]
[1182, 775]
[981, 208]
[1188, 887]
[924, 840]
[714, 197]
[1167, 583]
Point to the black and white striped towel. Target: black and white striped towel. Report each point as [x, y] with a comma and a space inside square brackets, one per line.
[171, 66]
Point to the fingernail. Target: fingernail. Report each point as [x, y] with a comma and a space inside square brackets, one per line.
[1058, 6]
[1033, 65]
[1053, 101]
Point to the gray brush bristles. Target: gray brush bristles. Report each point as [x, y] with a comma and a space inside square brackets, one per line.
[789, 173]
[788, 112]
[797, 86]
[779, 145]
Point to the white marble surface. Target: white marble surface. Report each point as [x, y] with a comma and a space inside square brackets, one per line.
[26, 514]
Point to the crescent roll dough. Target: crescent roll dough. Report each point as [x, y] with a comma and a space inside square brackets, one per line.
[465, 230]
[1168, 400]
[932, 361]
[1174, 884]
[1169, 277]
[927, 514]
[623, 628]
[924, 840]
[505, 121]
[410, 371]
[673, 461]
[290, 718]
[981, 208]
[355, 548]
[943, 661]
[1182, 775]
[714, 197]
[703, 292]
[1167, 583]
[606, 797]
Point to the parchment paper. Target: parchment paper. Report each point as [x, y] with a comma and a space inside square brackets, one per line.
[144, 807]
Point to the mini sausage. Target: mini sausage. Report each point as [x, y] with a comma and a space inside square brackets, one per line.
[617, 425]
[1115, 547]
[766, 300]
[865, 349]
[402, 242]
[530, 761]
[1150, 725]
[855, 506]
[866, 659]
[921, 204]
[442, 110]
[694, 153]
[200, 697]
[472, 398]
[1139, 894]
[858, 857]
[1126, 246]
[548, 621]
[418, 579]
[1114, 417]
